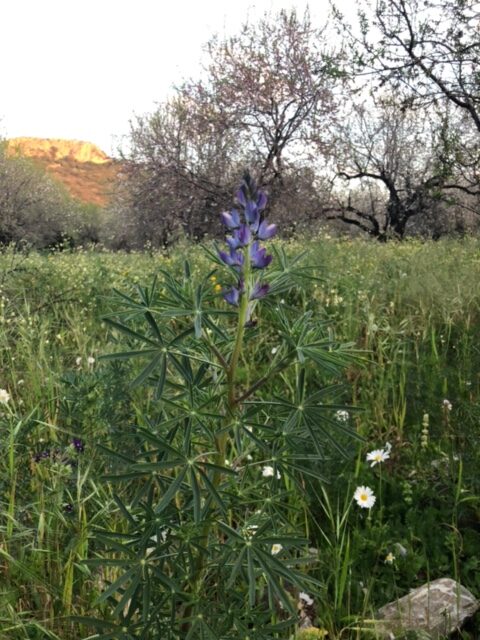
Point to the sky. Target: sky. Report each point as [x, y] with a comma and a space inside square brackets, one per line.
[82, 69]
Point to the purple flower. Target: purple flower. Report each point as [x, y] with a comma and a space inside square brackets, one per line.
[233, 259]
[252, 214]
[266, 231]
[258, 256]
[240, 195]
[78, 445]
[241, 237]
[232, 296]
[231, 220]
[261, 201]
[259, 291]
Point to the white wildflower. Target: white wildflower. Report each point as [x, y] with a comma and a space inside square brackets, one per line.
[377, 455]
[4, 396]
[269, 472]
[276, 548]
[389, 558]
[342, 415]
[78, 361]
[90, 360]
[447, 405]
[364, 497]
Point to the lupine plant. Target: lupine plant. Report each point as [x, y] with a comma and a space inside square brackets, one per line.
[213, 478]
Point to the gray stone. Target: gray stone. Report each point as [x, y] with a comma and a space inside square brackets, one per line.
[437, 608]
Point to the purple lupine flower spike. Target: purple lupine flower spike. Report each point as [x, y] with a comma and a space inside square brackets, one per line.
[266, 231]
[259, 291]
[258, 256]
[231, 220]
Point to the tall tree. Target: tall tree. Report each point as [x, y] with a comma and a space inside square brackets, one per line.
[394, 169]
[266, 93]
[273, 84]
[429, 48]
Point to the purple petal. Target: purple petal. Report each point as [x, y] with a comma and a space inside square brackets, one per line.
[258, 256]
[266, 231]
[240, 195]
[243, 234]
[261, 200]
[259, 291]
[233, 259]
[241, 237]
[233, 242]
[232, 296]
[231, 220]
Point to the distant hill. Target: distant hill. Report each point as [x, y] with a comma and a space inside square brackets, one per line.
[85, 170]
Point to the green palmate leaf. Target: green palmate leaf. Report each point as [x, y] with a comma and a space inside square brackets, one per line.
[252, 583]
[273, 582]
[154, 326]
[130, 332]
[196, 494]
[212, 491]
[171, 491]
[162, 375]
[129, 594]
[198, 323]
[125, 512]
[237, 567]
[113, 588]
[126, 355]
[148, 370]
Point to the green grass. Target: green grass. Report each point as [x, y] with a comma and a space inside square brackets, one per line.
[413, 310]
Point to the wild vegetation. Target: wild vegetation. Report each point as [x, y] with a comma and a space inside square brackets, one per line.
[225, 441]
[411, 314]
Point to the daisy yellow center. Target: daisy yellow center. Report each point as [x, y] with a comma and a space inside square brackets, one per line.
[363, 497]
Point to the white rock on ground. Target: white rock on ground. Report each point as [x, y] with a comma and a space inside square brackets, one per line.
[437, 608]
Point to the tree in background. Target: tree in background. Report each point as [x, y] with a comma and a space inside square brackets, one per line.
[34, 210]
[427, 55]
[394, 171]
[266, 95]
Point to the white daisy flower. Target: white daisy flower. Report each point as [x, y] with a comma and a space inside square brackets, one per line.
[364, 497]
[269, 472]
[276, 548]
[377, 455]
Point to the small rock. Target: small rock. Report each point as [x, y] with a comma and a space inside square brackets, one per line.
[437, 608]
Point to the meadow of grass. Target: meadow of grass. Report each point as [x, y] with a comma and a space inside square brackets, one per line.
[412, 310]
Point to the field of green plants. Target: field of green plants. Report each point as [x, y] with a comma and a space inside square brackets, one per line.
[407, 319]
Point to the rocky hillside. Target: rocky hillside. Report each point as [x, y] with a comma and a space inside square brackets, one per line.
[85, 170]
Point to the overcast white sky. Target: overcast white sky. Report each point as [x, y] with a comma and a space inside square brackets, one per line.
[80, 69]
